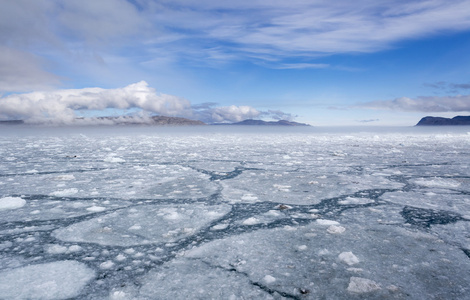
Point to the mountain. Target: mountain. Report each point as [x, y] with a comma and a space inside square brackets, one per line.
[265, 123]
[438, 121]
[11, 122]
[174, 121]
[124, 120]
[153, 121]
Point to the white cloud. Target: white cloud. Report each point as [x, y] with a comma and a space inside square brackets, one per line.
[61, 105]
[232, 113]
[458, 103]
[65, 106]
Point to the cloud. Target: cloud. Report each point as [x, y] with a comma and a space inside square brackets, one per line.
[23, 71]
[458, 103]
[60, 106]
[300, 66]
[279, 115]
[68, 106]
[306, 28]
[368, 121]
[464, 86]
[209, 32]
[442, 85]
[230, 114]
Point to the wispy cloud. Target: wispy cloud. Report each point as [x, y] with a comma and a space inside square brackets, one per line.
[300, 66]
[211, 32]
[442, 85]
[458, 103]
[311, 28]
[368, 120]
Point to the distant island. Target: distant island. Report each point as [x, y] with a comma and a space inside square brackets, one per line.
[155, 120]
[439, 121]
[264, 123]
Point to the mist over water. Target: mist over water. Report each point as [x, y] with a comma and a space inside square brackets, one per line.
[229, 212]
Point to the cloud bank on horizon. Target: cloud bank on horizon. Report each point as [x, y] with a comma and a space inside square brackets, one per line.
[48, 44]
[63, 106]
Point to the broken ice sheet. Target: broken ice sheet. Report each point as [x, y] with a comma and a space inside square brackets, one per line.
[443, 200]
[298, 188]
[300, 261]
[37, 208]
[181, 279]
[144, 224]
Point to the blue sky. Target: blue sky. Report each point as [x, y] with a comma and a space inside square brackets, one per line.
[319, 62]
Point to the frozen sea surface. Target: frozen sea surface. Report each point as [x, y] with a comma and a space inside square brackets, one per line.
[234, 213]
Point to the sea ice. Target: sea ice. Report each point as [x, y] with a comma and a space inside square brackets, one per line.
[158, 213]
[362, 285]
[55, 280]
[348, 258]
[158, 224]
[11, 203]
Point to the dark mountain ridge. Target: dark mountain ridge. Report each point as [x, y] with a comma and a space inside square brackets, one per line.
[439, 121]
[264, 123]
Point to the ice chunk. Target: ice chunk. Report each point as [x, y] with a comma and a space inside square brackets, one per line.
[96, 208]
[219, 226]
[56, 249]
[326, 222]
[362, 285]
[249, 197]
[251, 221]
[348, 258]
[355, 201]
[333, 229]
[113, 159]
[56, 280]
[269, 279]
[438, 182]
[65, 193]
[11, 203]
[107, 265]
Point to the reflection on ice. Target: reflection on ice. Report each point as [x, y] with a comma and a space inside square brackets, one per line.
[295, 214]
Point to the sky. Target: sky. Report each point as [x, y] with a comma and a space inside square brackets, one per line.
[321, 62]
